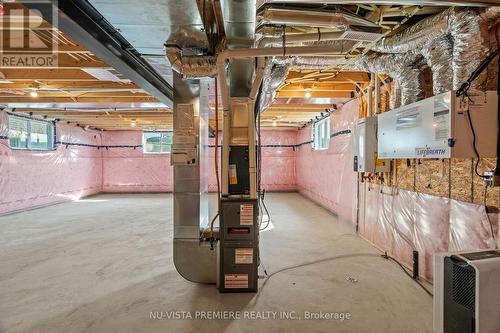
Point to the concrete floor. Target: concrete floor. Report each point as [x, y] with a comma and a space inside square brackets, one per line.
[104, 264]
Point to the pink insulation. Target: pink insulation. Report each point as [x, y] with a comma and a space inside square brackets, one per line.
[278, 160]
[129, 170]
[399, 221]
[30, 178]
[326, 177]
[34, 178]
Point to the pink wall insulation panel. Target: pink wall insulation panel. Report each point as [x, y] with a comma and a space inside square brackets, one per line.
[30, 178]
[129, 169]
[327, 176]
[398, 221]
[278, 163]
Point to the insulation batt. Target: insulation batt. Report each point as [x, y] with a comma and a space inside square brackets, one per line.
[31, 178]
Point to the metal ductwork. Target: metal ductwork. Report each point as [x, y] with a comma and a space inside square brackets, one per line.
[277, 68]
[274, 76]
[299, 63]
[190, 67]
[443, 3]
[403, 68]
[438, 54]
[273, 36]
[461, 25]
[309, 18]
[193, 259]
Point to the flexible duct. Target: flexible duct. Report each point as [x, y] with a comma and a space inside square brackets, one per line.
[449, 43]
[395, 96]
[415, 36]
[462, 26]
[402, 68]
[191, 67]
[468, 46]
[324, 19]
[277, 69]
[438, 54]
[310, 63]
[274, 76]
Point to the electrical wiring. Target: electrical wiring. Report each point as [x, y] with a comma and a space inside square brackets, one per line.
[345, 256]
[463, 91]
[261, 193]
[267, 212]
[385, 256]
[488, 217]
[216, 164]
[474, 145]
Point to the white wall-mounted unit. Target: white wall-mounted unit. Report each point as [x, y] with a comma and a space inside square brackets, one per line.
[365, 147]
[438, 127]
[466, 292]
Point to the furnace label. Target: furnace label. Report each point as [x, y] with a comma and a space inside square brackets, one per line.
[235, 281]
[233, 176]
[243, 256]
[246, 214]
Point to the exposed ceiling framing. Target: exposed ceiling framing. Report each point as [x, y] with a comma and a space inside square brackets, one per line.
[78, 91]
[78, 81]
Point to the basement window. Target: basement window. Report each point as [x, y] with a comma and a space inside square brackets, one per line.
[321, 134]
[26, 133]
[157, 142]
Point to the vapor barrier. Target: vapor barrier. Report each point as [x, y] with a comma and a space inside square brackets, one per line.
[89, 162]
[278, 160]
[395, 221]
[30, 178]
[128, 169]
[326, 176]
[399, 221]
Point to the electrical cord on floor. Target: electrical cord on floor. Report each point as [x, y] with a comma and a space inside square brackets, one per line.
[385, 256]
[266, 210]
[346, 256]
